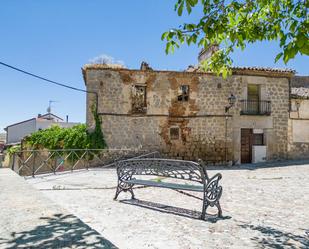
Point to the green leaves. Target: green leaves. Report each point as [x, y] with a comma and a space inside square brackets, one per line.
[278, 56]
[220, 63]
[189, 4]
[180, 8]
[13, 149]
[233, 24]
[55, 137]
[301, 40]
[76, 137]
[96, 138]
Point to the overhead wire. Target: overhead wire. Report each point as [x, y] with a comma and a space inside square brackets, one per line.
[50, 81]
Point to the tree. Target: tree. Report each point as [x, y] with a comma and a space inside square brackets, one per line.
[234, 24]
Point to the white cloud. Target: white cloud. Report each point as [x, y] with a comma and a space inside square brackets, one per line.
[105, 59]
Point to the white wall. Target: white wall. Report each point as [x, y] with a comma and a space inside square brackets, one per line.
[44, 124]
[300, 120]
[16, 133]
[259, 153]
[300, 131]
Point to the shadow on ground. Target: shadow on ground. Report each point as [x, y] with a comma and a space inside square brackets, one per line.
[254, 166]
[172, 210]
[60, 231]
[274, 238]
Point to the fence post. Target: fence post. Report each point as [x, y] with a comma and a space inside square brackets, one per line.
[55, 165]
[13, 163]
[87, 159]
[33, 164]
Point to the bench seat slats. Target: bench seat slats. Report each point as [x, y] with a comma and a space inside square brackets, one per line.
[187, 187]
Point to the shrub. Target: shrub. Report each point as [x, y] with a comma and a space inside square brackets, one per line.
[13, 149]
[55, 137]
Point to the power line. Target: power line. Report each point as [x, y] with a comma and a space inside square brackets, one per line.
[42, 78]
[50, 81]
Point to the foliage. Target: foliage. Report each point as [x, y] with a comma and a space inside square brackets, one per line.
[233, 24]
[96, 137]
[76, 137]
[13, 149]
[55, 137]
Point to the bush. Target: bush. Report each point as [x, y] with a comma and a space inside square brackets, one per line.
[13, 149]
[54, 138]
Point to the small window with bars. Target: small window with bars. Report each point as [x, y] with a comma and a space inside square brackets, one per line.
[258, 139]
[183, 93]
[174, 133]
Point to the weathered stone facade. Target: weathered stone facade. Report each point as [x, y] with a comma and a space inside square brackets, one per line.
[205, 131]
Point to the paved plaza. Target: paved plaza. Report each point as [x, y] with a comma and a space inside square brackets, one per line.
[265, 207]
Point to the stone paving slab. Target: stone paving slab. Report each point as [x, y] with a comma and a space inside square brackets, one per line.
[263, 207]
[28, 219]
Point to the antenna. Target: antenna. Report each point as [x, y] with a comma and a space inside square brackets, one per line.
[49, 105]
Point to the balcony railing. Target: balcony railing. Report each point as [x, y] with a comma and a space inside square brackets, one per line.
[255, 107]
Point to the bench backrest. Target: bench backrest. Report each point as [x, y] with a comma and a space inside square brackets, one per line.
[180, 169]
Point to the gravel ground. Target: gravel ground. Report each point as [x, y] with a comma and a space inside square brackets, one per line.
[263, 208]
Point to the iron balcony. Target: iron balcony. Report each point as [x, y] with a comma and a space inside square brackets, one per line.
[255, 107]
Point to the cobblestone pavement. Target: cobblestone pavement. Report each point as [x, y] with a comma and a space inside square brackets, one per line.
[263, 208]
[30, 220]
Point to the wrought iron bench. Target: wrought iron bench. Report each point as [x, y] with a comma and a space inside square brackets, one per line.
[179, 169]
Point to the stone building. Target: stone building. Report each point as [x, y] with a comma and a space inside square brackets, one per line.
[298, 146]
[184, 114]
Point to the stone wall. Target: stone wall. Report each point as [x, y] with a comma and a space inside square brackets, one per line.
[205, 131]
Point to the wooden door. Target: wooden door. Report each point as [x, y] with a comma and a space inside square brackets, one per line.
[246, 146]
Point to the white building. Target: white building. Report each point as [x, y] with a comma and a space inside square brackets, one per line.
[16, 132]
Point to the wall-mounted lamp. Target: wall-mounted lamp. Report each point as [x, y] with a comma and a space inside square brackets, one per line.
[297, 108]
[297, 105]
[232, 100]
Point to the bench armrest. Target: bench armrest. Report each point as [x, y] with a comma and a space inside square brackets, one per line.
[213, 190]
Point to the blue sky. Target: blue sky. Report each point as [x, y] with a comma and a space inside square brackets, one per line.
[55, 38]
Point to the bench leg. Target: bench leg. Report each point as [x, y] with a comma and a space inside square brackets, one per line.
[132, 193]
[219, 209]
[118, 190]
[206, 205]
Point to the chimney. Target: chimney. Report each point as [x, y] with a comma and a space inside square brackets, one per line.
[145, 66]
[206, 53]
[67, 118]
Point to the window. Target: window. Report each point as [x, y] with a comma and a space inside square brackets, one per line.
[253, 92]
[183, 93]
[253, 105]
[139, 103]
[258, 139]
[174, 133]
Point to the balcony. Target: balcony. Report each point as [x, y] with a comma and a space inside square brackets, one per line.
[255, 107]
